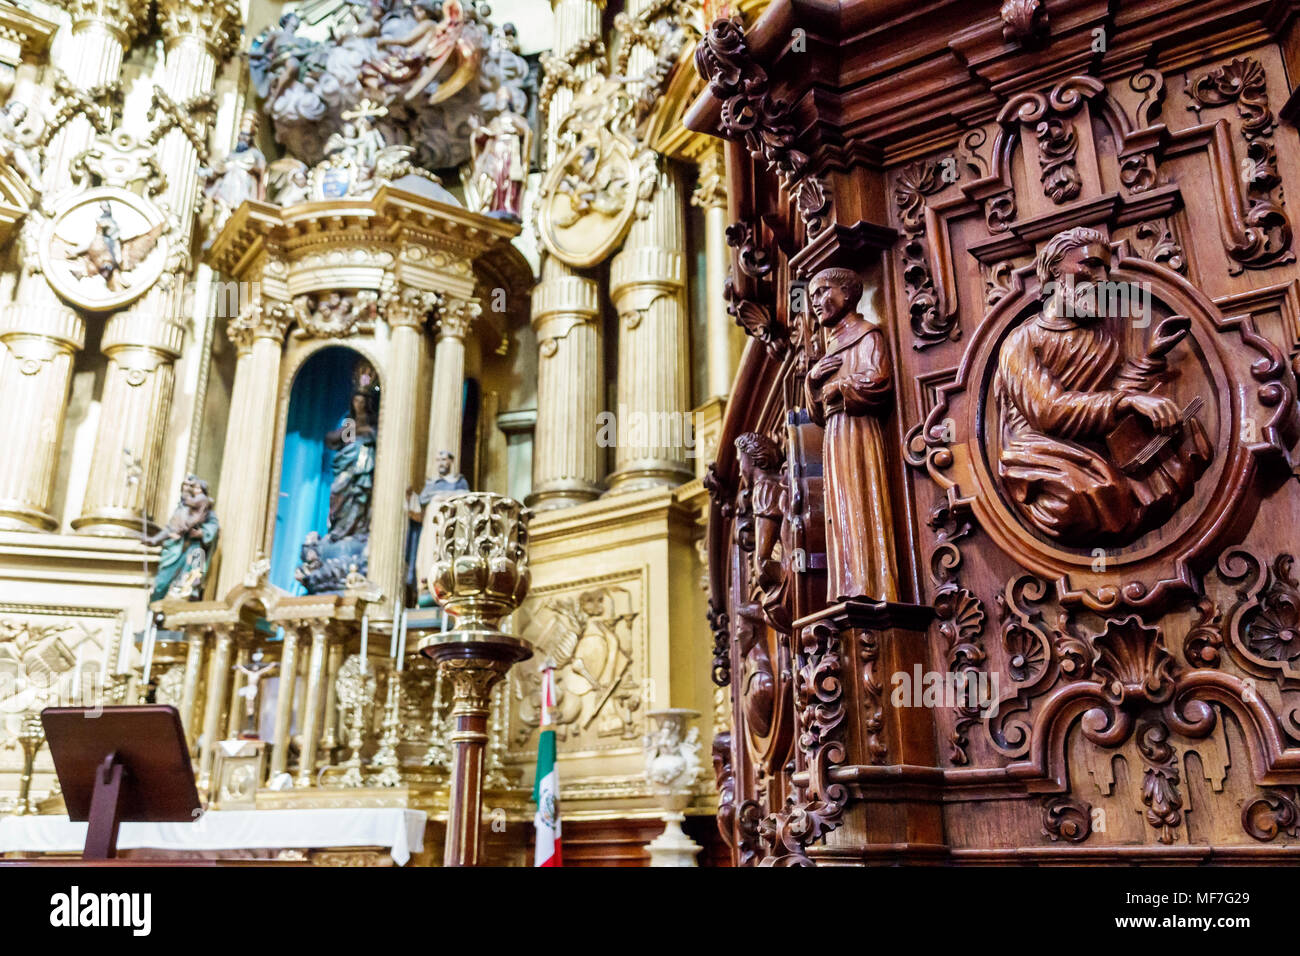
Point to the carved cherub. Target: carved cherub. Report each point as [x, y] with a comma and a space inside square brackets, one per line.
[20, 131]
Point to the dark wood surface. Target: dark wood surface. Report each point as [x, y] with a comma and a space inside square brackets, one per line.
[1130, 604]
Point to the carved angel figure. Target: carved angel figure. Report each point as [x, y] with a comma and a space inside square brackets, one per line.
[672, 758]
[289, 184]
[20, 131]
[106, 254]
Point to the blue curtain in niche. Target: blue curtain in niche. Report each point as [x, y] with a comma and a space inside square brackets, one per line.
[318, 404]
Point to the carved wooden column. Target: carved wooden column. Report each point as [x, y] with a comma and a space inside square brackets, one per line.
[567, 463]
[446, 409]
[218, 675]
[310, 719]
[143, 343]
[711, 196]
[284, 699]
[40, 333]
[406, 311]
[647, 284]
[258, 333]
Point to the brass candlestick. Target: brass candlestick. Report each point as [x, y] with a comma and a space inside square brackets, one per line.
[31, 737]
[386, 756]
[479, 574]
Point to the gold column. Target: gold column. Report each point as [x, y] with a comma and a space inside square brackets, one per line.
[143, 343]
[284, 699]
[648, 285]
[190, 685]
[235, 705]
[218, 674]
[258, 334]
[446, 412]
[39, 332]
[567, 463]
[406, 311]
[329, 736]
[711, 196]
[310, 719]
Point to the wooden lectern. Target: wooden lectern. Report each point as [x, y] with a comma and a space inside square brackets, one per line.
[121, 764]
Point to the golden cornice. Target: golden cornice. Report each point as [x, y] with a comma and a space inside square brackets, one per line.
[30, 32]
[644, 515]
[429, 244]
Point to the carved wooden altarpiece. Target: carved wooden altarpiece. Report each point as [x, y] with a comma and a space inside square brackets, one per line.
[1069, 220]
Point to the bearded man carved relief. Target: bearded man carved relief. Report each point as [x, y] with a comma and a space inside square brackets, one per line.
[1093, 450]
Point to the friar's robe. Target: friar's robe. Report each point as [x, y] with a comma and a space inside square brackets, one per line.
[1058, 390]
[849, 402]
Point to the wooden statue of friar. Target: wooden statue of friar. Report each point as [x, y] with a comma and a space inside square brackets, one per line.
[849, 389]
[188, 542]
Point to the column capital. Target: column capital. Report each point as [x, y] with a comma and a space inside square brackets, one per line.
[260, 319]
[217, 24]
[408, 306]
[455, 316]
[711, 186]
[122, 17]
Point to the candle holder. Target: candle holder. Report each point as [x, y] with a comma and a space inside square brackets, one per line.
[479, 574]
[386, 756]
[31, 737]
[356, 691]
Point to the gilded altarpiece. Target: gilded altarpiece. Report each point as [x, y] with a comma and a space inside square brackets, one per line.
[1086, 274]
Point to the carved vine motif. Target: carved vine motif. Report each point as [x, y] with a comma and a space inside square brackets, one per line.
[1264, 624]
[997, 281]
[1271, 813]
[1243, 83]
[873, 695]
[1201, 647]
[1160, 780]
[1161, 246]
[752, 115]
[1266, 237]
[960, 617]
[930, 327]
[1059, 147]
[1066, 819]
[819, 701]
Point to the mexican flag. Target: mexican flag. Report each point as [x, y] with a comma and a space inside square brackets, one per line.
[546, 791]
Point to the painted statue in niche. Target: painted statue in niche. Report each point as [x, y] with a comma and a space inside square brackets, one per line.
[449, 481]
[500, 161]
[327, 560]
[849, 389]
[1091, 452]
[187, 543]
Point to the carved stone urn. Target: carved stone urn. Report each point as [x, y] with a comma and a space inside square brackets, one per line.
[479, 574]
[672, 766]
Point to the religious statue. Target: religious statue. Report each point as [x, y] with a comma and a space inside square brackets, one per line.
[289, 182]
[105, 253]
[761, 494]
[849, 389]
[1090, 452]
[329, 560]
[500, 159]
[448, 482]
[759, 515]
[278, 57]
[672, 753]
[239, 177]
[187, 542]
[253, 672]
[20, 130]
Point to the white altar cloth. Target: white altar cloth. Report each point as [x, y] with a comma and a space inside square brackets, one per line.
[399, 830]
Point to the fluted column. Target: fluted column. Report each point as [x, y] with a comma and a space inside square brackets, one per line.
[190, 685]
[405, 311]
[218, 676]
[446, 409]
[258, 334]
[143, 343]
[284, 699]
[40, 334]
[711, 196]
[647, 284]
[310, 718]
[567, 463]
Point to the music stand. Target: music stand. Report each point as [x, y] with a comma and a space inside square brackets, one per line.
[121, 764]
